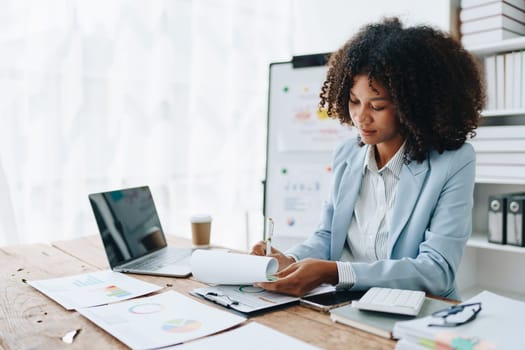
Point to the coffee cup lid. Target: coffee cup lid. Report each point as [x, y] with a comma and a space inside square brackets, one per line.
[199, 218]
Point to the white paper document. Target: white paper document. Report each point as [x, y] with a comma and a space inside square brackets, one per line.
[164, 319]
[219, 267]
[253, 336]
[497, 326]
[93, 288]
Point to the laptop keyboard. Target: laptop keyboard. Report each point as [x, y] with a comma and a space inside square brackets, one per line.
[161, 259]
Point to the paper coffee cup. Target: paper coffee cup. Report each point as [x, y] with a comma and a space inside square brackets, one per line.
[200, 230]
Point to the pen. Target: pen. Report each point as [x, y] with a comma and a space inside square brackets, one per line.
[220, 299]
[269, 235]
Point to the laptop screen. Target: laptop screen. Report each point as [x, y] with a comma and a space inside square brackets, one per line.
[128, 223]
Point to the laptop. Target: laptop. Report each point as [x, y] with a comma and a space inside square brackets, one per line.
[132, 235]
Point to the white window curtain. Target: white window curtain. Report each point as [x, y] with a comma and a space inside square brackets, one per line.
[99, 95]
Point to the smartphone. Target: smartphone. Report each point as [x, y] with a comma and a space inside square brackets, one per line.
[326, 301]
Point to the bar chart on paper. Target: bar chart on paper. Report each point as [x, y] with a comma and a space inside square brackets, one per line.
[95, 288]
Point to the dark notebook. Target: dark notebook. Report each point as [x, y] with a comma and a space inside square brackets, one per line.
[380, 323]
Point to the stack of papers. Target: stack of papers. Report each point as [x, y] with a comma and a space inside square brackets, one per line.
[163, 319]
[498, 326]
[150, 322]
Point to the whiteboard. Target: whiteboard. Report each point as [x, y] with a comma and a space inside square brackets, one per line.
[300, 143]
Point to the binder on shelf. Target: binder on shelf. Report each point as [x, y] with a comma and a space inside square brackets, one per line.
[517, 80]
[509, 80]
[500, 81]
[490, 79]
[522, 80]
[515, 220]
[498, 218]
[500, 215]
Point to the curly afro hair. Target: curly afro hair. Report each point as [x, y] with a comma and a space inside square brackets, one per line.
[435, 84]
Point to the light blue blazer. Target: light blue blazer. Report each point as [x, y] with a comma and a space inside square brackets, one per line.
[431, 221]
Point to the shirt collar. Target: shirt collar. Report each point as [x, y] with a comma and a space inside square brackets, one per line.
[394, 164]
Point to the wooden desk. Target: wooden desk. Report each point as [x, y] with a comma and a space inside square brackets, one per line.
[30, 320]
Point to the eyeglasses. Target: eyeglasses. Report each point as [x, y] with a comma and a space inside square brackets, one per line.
[456, 315]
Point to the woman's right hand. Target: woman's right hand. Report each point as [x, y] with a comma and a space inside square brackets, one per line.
[260, 249]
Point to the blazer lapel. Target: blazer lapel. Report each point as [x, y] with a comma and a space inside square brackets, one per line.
[410, 183]
[345, 202]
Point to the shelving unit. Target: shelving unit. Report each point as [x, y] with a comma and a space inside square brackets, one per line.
[479, 240]
[503, 112]
[501, 169]
[497, 47]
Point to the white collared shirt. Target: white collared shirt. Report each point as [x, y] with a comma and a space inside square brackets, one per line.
[367, 238]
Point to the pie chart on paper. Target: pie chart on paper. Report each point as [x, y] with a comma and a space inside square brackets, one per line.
[180, 326]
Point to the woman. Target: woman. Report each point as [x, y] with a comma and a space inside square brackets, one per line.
[400, 206]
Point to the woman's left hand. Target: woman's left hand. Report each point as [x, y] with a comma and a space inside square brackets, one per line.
[303, 276]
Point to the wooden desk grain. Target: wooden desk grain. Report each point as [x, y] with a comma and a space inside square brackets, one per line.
[30, 320]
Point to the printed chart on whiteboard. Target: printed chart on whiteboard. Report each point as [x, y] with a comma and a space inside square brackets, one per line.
[301, 139]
